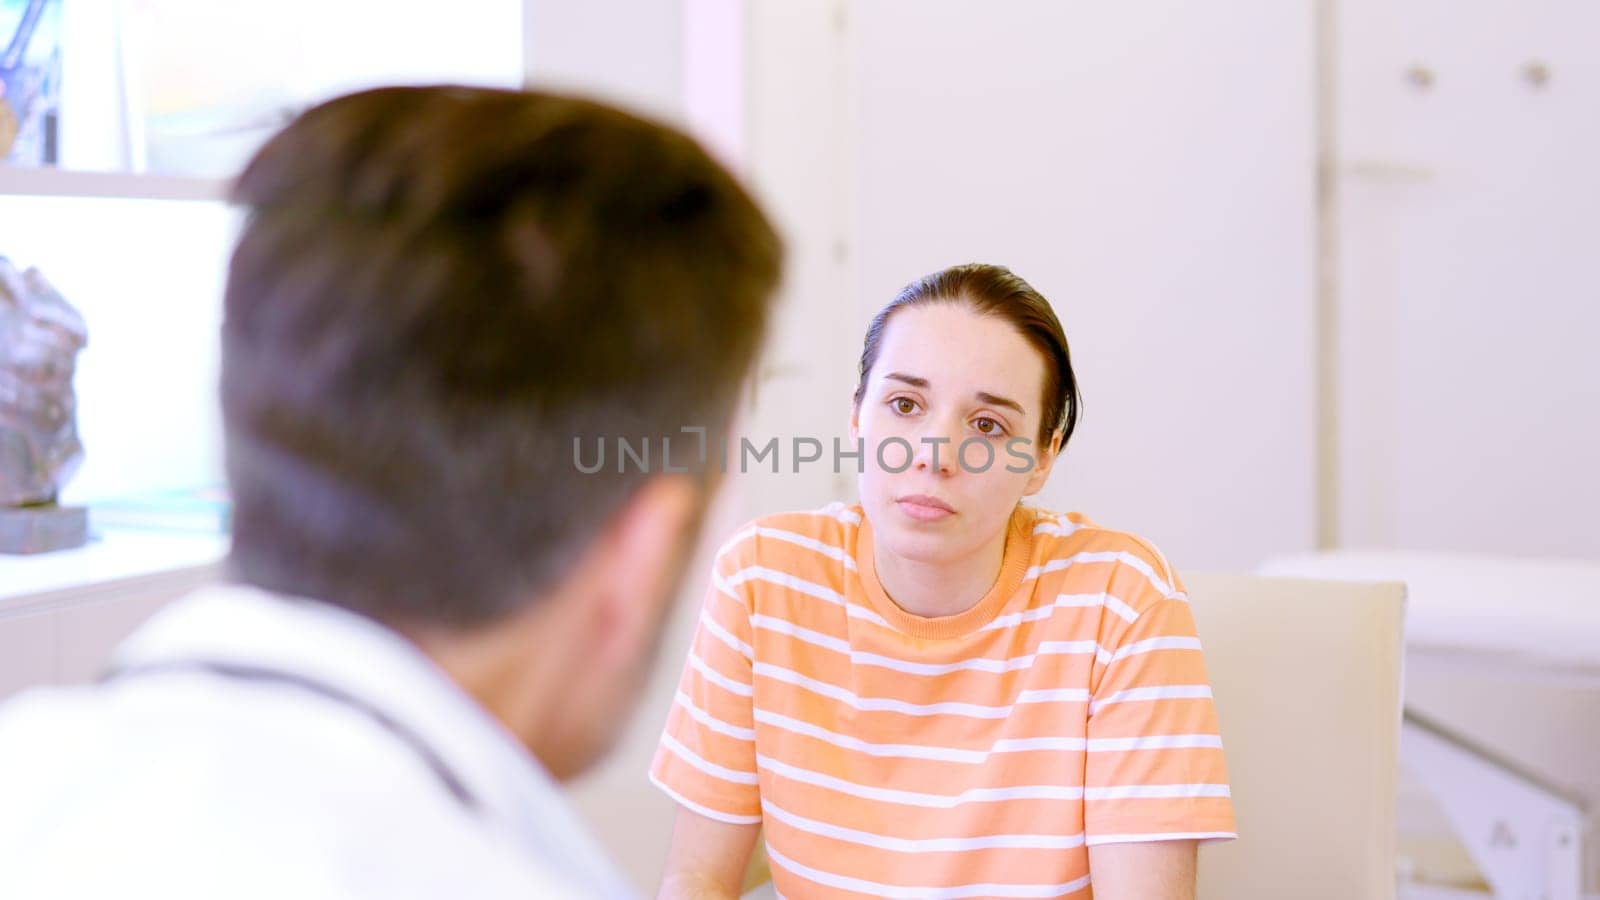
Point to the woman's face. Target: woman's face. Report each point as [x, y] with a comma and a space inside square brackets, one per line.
[946, 376]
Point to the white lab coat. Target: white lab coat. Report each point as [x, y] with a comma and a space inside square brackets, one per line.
[366, 774]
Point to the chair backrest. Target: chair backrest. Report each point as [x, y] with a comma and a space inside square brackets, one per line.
[1307, 679]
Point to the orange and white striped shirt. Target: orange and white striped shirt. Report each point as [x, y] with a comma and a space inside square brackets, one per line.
[975, 755]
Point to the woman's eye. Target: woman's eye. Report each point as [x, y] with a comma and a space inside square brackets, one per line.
[986, 425]
[904, 405]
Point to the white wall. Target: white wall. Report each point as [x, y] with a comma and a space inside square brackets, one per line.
[1149, 168]
[628, 52]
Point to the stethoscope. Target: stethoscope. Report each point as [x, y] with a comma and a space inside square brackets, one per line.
[266, 675]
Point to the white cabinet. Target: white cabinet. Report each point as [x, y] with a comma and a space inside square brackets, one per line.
[27, 651]
[1467, 277]
[61, 614]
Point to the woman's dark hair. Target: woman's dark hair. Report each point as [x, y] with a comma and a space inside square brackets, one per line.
[994, 291]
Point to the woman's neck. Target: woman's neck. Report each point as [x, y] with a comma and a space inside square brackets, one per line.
[944, 588]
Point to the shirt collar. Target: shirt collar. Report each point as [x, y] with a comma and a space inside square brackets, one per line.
[237, 624]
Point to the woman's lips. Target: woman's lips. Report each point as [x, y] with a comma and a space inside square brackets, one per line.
[924, 508]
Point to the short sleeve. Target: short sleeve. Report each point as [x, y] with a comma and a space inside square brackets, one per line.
[1154, 769]
[706, 759]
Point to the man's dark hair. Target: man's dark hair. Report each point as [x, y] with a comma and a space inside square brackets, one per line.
[435, 292]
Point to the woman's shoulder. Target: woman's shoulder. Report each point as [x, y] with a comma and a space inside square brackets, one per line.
[1065, 538]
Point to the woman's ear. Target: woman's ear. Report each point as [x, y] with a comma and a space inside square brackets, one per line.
[1043, 465]
[855, 420]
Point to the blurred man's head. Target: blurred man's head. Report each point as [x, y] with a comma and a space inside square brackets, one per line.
[436, 291]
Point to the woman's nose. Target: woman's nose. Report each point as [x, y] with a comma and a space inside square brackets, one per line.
[935, 451]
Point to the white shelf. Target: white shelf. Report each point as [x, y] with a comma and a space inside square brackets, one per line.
[63, 614]
[108, 565]
[50, 182]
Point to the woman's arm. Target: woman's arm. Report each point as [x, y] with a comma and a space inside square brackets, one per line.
[1148, 870]
[707, 858]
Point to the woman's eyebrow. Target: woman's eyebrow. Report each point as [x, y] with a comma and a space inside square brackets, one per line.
[983, 396]
[912, 380]
[997, 400]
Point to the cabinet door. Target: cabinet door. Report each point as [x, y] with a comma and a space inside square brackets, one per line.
[1467, 277]
[27, 651]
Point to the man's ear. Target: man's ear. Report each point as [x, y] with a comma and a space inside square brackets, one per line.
[636, 566]
[1043, 464]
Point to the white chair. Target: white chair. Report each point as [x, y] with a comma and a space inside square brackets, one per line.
[1307, 679]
